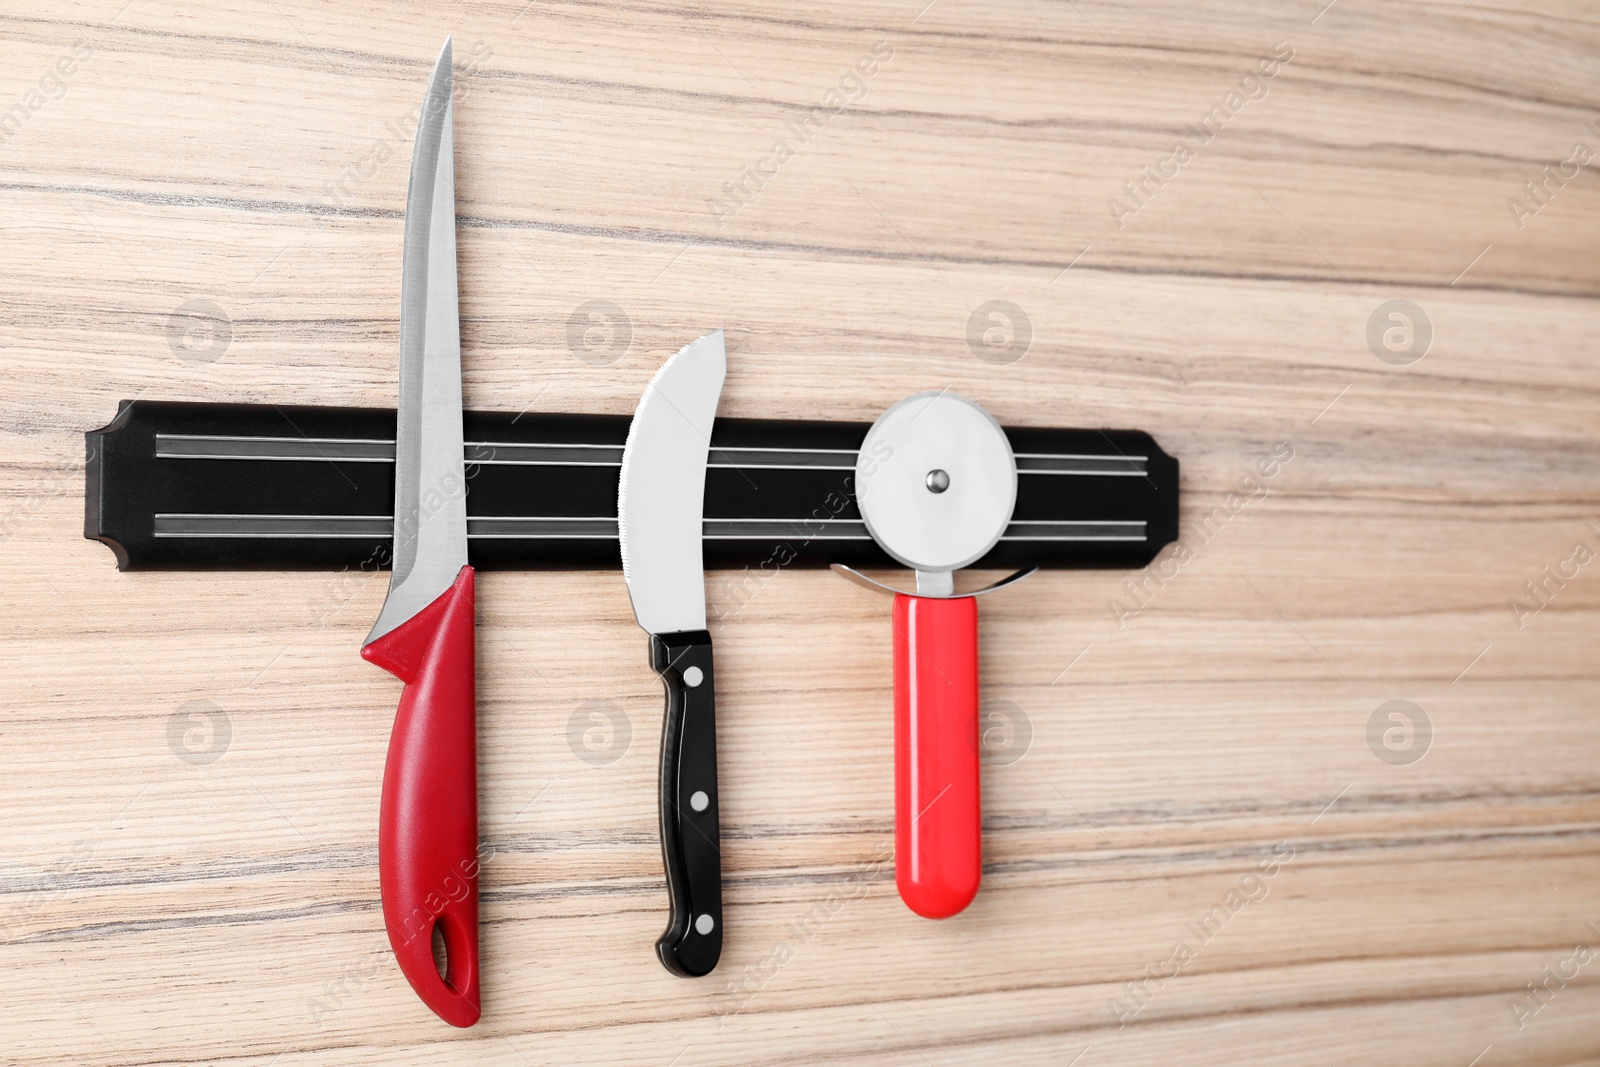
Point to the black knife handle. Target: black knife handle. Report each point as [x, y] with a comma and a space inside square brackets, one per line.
[691, 845]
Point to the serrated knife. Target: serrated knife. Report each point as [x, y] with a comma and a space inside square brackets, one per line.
[660, 505]
[425, 634]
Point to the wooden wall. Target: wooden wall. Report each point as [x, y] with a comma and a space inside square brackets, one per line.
[187, 829]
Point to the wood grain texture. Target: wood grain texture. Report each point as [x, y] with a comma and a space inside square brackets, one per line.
[253, 155]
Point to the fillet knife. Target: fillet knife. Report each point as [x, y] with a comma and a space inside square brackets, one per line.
[425, 636]
[660, 505]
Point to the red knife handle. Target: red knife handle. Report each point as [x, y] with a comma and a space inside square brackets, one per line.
[938, 856]
[428, 822]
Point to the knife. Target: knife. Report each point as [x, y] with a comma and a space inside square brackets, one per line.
[660, 504]
[428, 820]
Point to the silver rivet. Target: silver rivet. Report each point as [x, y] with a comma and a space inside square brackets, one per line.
[699, 801]
[693, 677]
[705, 924]
[938, 481]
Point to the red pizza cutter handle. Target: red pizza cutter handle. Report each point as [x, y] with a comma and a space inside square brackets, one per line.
[937, 820]
[428, 819]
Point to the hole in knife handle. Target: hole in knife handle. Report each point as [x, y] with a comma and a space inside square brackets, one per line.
[441, 953]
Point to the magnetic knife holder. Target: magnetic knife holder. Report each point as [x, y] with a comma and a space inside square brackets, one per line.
[182, 485]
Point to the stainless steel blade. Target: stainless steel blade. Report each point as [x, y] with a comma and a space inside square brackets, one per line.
[663, 487]
[936, 483]
[430, 505]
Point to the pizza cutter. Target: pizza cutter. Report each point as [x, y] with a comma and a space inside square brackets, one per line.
[936, 482]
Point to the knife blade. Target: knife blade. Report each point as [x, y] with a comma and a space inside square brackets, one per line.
[660, 505]
[425, 634]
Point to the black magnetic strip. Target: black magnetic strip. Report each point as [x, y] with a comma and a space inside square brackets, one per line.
[182, 485]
